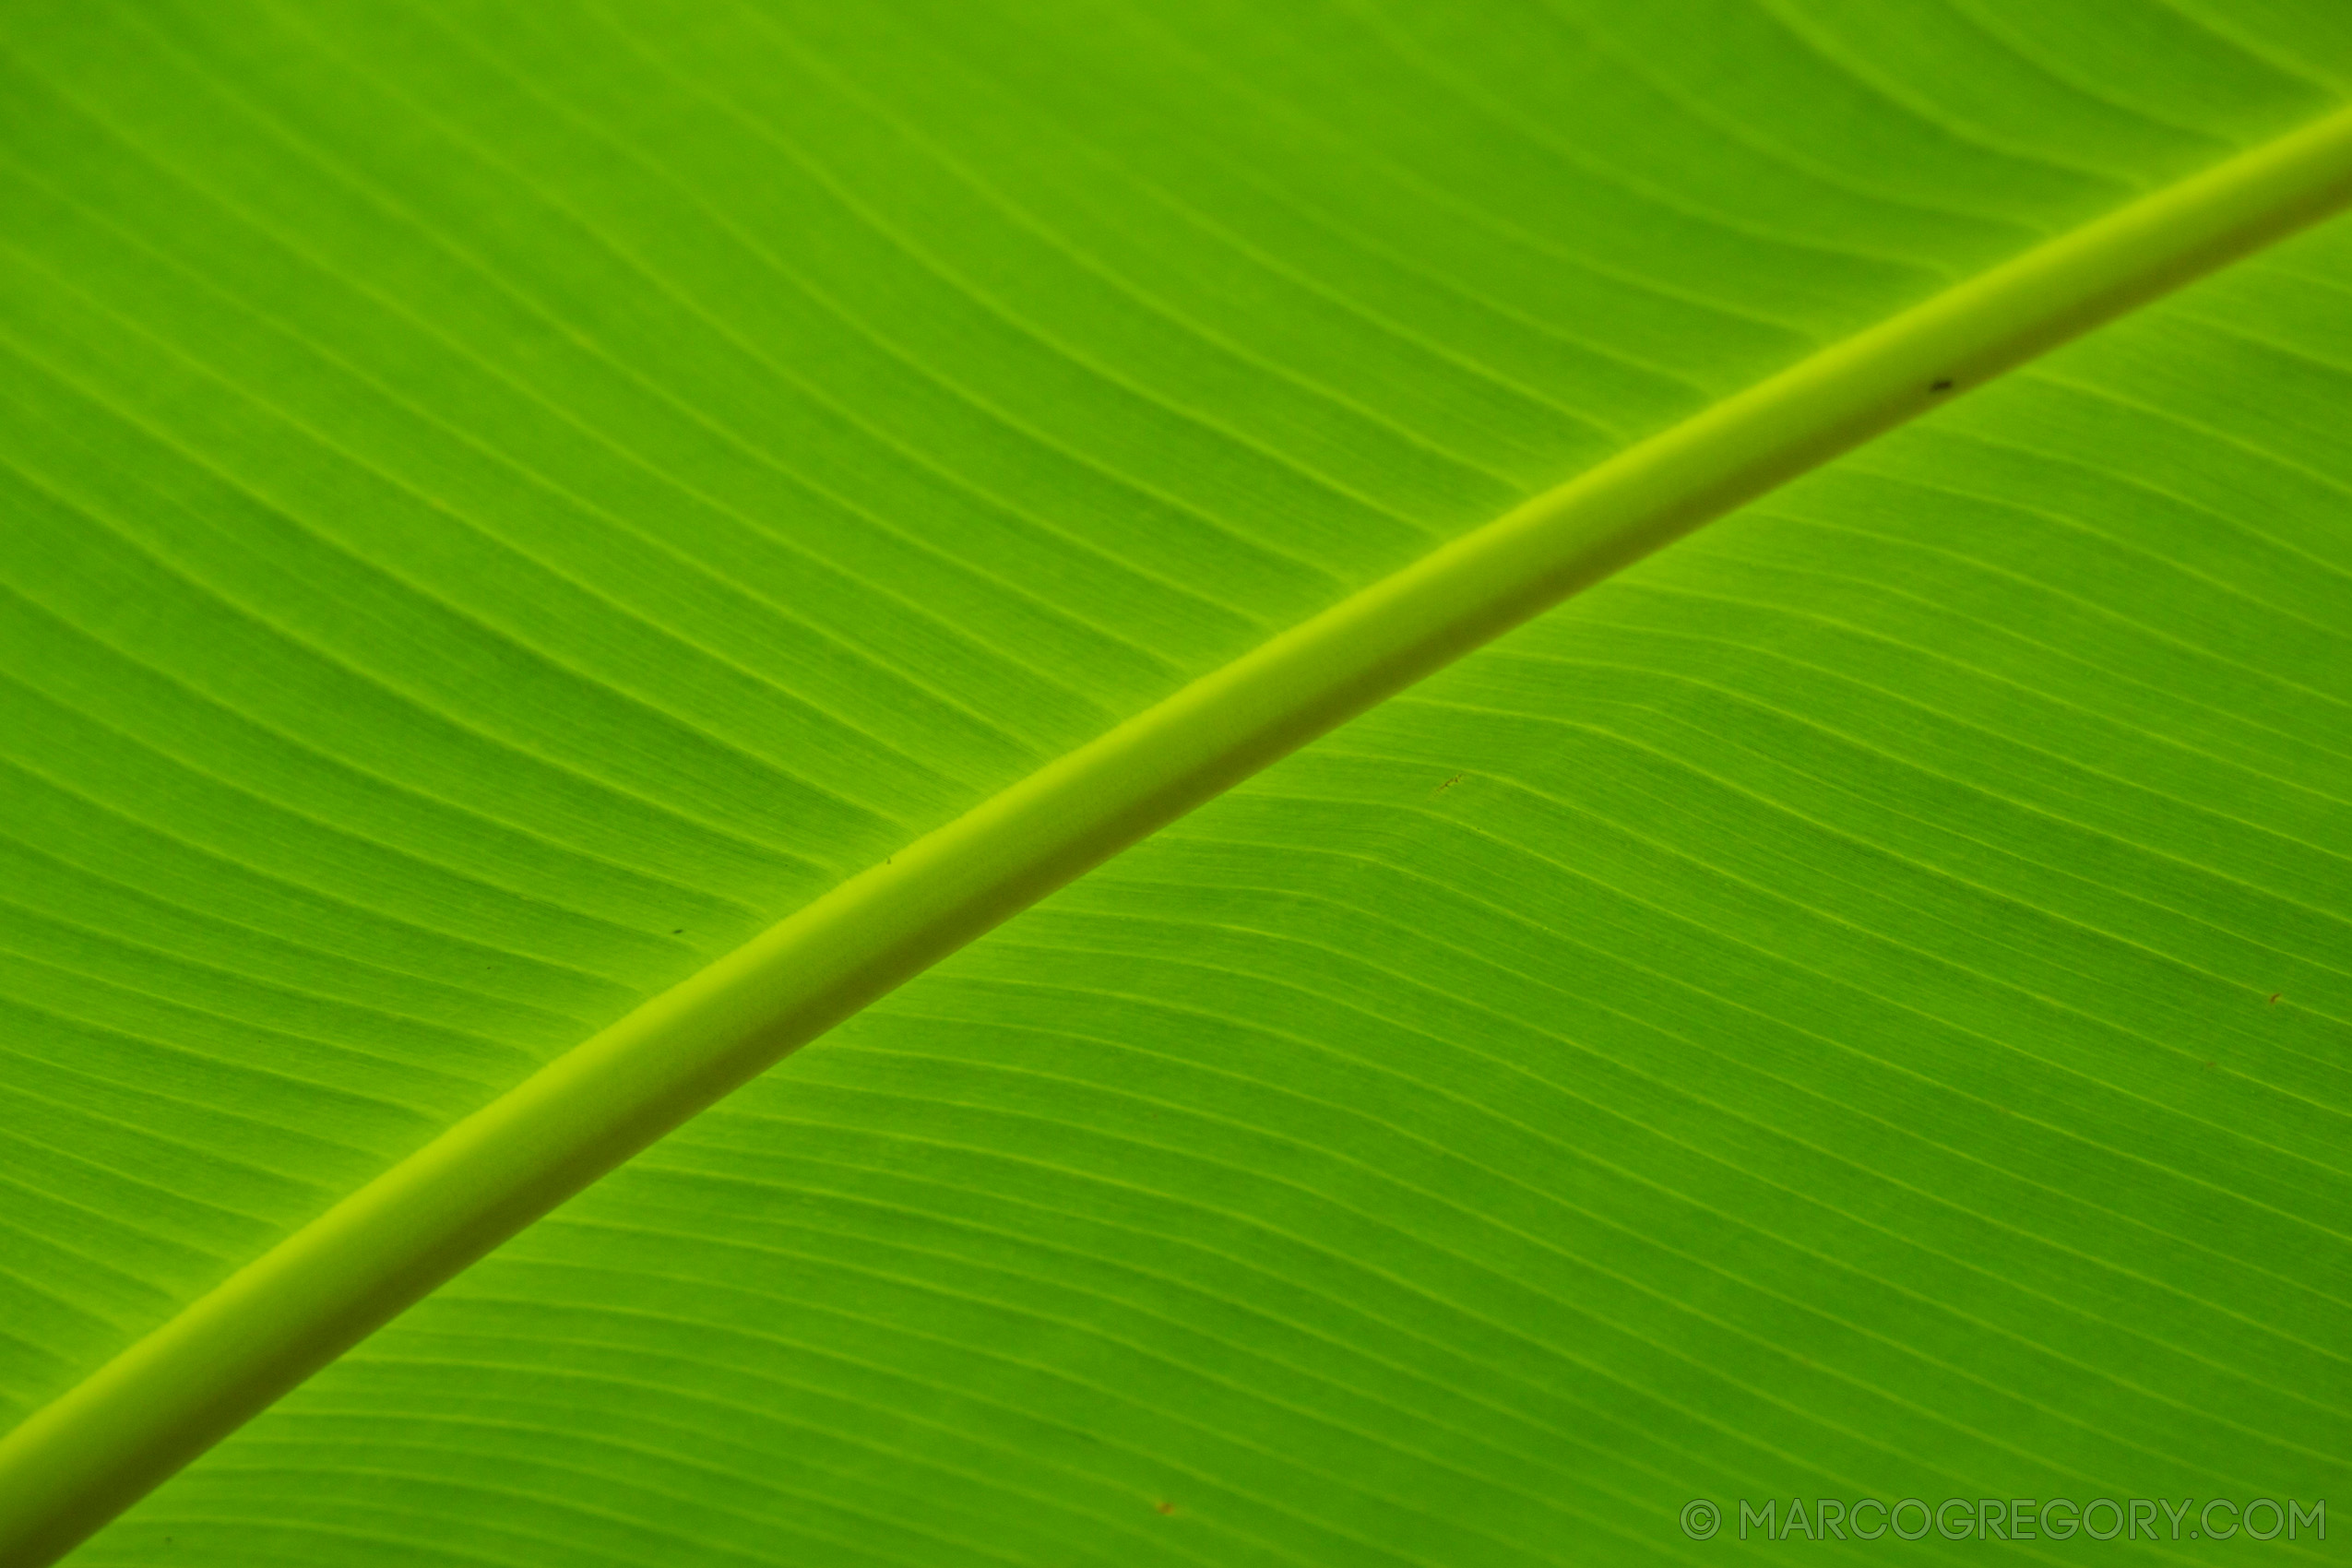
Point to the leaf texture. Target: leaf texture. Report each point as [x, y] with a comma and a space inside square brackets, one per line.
[505, 503]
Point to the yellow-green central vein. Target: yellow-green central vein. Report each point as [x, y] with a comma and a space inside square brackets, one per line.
[74, 1465]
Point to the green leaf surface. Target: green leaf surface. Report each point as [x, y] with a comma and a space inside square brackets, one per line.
[499, 505]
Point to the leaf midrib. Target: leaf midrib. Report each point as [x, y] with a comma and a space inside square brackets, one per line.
[72, 1465]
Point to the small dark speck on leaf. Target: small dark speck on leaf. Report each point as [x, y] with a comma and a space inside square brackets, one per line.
[1165, 1506]
[2274, 997]
[1940, 386]
[680, 932]
[2211, 1065]
[1448, 784]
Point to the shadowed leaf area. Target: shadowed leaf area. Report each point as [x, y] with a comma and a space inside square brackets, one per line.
[501, 503]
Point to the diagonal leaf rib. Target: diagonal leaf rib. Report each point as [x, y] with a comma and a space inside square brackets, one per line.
[72, 1465]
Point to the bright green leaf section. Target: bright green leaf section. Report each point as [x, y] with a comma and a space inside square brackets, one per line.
[1794, 1021]
[504, 502]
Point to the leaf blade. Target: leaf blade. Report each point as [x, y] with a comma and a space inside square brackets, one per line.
[439, 1210]
[511, 687]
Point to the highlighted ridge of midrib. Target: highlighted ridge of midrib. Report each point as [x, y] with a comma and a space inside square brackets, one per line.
[70, 1467]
